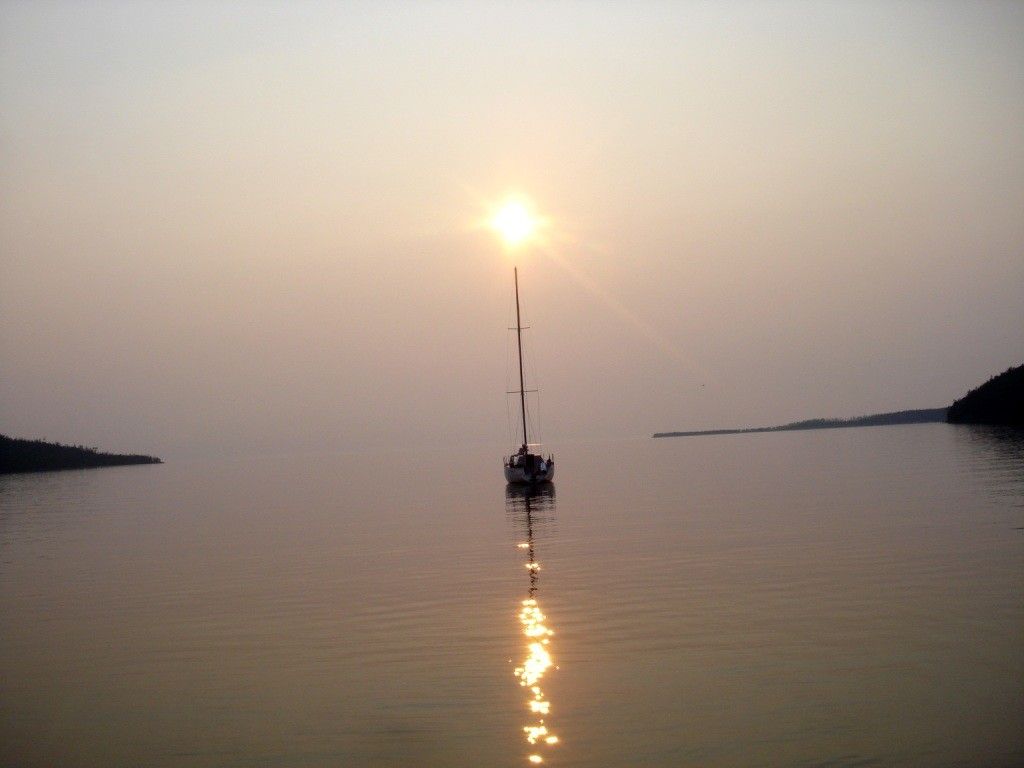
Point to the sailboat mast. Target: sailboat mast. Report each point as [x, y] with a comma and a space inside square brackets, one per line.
[519, 343]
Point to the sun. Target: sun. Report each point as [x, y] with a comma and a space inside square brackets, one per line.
[514, 222]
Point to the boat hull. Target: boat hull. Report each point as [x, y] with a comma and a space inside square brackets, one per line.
[519, 476]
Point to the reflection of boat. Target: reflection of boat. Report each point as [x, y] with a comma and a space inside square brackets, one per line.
[524, 466]
[533, 507]
[532, 510]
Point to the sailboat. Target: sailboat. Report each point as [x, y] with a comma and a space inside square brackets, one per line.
[523, 466]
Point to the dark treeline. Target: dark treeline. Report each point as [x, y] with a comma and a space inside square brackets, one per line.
[917, 416]
[1000, 400]
[39, 456]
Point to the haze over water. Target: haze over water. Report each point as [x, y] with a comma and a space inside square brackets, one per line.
[236, 227]
[843, 598]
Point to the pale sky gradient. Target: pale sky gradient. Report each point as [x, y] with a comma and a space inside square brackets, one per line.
[237, 227]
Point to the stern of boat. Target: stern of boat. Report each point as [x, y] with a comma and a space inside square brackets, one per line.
[520, 476]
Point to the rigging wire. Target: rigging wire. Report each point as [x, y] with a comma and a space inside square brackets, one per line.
[533, 395]
[531, 398]
[508, 368]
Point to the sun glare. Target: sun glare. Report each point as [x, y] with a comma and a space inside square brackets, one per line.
[514, 222]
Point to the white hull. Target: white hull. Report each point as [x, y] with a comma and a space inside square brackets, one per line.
[518, 475]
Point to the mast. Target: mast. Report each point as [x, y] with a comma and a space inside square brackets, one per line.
[519, 344]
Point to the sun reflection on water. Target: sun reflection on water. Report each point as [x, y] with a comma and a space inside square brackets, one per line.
[538, 636]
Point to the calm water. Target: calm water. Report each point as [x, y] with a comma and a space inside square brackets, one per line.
[835, 598]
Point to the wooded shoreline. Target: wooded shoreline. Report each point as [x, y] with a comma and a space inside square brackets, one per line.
[917, 416]
[18, 455]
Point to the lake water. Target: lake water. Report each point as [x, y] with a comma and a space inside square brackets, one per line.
[838, 598]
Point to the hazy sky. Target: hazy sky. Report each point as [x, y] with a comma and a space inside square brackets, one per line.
[235, 227]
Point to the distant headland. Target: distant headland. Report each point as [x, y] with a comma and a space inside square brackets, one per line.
[919, 416]
[40, 456]
[1000, 400]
